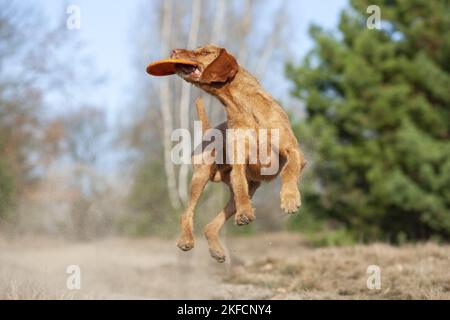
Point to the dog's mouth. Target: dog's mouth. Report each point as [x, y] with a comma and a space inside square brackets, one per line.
[188, 70]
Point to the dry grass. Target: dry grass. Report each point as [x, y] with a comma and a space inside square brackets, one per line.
[298, 271]
[271, 266]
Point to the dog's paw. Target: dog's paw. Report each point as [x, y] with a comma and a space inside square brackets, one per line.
[217, 254]
[185, 244]
[244, 217]
[290, 200]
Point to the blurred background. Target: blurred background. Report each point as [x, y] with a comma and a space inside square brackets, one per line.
[85, 132]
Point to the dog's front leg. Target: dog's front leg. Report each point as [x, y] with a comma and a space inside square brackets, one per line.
[290, 176]
[244, 211]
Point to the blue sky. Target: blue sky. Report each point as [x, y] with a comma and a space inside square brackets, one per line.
[107, 30]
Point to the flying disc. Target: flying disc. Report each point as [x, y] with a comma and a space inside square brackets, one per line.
[166, 67]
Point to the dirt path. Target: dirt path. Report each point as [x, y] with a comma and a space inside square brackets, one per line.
[272, 266]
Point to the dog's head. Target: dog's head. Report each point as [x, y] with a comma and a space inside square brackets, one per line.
[213, 65]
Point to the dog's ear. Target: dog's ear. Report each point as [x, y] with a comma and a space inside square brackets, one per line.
[224, 67]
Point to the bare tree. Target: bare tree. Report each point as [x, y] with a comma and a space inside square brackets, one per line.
[273, 40]
[186, 96]
[83, 142]
[33, 67]
[218, 36]
[244, 30]
[164, 96]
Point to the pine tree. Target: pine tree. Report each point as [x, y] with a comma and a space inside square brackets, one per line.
[378, 120]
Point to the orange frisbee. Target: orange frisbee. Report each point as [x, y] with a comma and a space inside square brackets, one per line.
[166, 67]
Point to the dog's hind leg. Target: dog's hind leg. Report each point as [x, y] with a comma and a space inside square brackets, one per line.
[212, 229]
[198, 182]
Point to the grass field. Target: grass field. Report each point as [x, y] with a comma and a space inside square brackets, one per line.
[269, 266]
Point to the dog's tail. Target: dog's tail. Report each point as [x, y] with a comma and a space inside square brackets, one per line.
[201, 113]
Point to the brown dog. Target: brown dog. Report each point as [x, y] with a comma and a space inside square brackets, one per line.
[247, 106]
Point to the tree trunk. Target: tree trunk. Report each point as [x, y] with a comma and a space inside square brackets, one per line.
[164, 96]
[218, 36]
[186, 97]
[271, 43]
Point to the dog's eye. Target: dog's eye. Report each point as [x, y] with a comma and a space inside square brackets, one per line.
[205, 53]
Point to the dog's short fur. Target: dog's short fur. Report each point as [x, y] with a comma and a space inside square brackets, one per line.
[247, 106]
